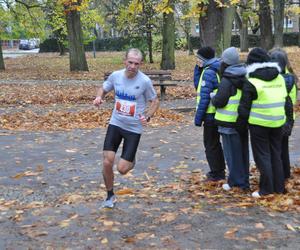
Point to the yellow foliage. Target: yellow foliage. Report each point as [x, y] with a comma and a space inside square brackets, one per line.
[164, 7]
[74, 5]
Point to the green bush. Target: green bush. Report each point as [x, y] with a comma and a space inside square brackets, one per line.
[49, 45]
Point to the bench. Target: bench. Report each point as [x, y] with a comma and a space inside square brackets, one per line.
[158, 77]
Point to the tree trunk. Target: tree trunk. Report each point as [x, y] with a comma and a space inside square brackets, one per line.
[149, 42]
[211, 27]
[278, 22]
[189, 43]
[265, 22]
[76, 49]
[61, 48]
[168, 41]
[242, 23]
[228, 16]
[2, 65]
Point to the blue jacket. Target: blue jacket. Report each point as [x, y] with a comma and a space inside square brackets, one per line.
[209, 83]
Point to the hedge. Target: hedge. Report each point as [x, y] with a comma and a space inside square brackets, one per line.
[122, 43]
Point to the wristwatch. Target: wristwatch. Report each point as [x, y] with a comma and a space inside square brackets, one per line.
[148, 118]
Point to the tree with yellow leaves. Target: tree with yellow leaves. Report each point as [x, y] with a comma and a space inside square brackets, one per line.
[72, 9]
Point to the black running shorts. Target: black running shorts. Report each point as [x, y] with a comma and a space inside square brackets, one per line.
[113, 138]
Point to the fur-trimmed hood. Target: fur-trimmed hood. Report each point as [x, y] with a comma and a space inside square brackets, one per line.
[266, 71]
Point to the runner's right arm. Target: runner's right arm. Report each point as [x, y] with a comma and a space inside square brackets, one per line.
[100, 97]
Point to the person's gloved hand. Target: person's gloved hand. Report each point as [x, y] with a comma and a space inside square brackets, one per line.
[287, 128]
[241, 126]
[198, 123]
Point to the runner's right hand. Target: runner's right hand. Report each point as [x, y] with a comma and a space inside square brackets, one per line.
[98, 101]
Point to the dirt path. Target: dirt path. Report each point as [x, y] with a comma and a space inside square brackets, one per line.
[51, 191]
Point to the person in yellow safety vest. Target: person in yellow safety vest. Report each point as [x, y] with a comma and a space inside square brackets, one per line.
[263, 107]
[227, 99]
[280, 56]
[206, 81]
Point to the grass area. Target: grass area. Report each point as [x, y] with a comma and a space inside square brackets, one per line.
[51, 66]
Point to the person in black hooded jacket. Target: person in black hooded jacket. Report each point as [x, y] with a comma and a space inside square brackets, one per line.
[226, 100]
[280, 56]
[263, 107]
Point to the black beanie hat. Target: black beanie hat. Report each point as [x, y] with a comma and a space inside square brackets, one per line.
[280, 57]
[206, 53]
[258, 55]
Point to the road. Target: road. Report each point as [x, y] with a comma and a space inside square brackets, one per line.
[16, 53]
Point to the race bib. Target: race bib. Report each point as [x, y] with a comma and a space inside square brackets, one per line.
[126, 108]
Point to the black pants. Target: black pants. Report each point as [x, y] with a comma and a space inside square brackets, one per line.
[213, 149]
[285, 157]
[266, 147]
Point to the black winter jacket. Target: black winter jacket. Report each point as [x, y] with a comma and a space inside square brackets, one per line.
[233, 78]
[266, 72]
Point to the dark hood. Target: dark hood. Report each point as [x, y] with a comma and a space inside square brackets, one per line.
[236, 75]
[213, 63]
[266, 71]
[281, 58]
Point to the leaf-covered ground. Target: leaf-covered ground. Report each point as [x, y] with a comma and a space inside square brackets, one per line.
[51, 191]
[54, 67]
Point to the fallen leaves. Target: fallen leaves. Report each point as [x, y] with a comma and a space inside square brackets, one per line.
[64, 120]
[213, 193]
[290, 227]
[26, 173]
[230, 234]
[124, 191]
[66, 222]
[71, 199]
[168, 217]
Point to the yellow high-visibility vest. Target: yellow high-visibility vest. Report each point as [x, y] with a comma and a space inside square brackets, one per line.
[268, 109]
[229, 112]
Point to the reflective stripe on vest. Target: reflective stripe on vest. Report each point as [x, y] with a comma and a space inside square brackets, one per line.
[268, 109]
[293, 93]
[229, 112]
[293, 96]
[211, 108]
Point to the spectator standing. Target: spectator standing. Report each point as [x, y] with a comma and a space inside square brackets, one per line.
[206, 81]
[262, 105]
[280, 56]
[226, 100]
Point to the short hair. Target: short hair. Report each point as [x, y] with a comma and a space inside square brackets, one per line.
[134, 51]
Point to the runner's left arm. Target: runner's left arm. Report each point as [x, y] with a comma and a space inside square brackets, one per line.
[154, 105]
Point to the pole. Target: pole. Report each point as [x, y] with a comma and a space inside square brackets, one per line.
[94, 48]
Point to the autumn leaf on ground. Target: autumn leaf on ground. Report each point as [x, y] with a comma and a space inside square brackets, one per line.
[290, 227]
[125, 191]
[167, 217]
[230, 234]
[72, 199]
[183, 227]
[259, 226]
[26, 173]
[265, 235]
[131, 239]
[250, 238]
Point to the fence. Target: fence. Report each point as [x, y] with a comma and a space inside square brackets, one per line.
[9, 44]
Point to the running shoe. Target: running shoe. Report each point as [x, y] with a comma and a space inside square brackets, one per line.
[109, 203]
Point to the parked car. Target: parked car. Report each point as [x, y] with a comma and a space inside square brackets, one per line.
[26, 44]
[36, 42]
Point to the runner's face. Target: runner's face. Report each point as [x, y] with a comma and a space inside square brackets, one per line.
[132, 64]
